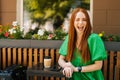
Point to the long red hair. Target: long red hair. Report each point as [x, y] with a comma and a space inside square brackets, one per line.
[72, 37]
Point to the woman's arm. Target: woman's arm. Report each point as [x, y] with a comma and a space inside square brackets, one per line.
[93, 67]
[61, 61]
[89, 68]
[68, 68]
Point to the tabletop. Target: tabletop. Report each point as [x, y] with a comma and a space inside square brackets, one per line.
[39, 70]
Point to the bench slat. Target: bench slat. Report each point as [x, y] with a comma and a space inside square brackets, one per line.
[9, 57]
[4, 57]
[57, 55]
[19, 55]
[24, 56]
[118, 66]
[111, 67]
[46, 52]
[30, 57]
[41, 55]
[14, 55]
[52, 54]
[35, 56]
[105, 68]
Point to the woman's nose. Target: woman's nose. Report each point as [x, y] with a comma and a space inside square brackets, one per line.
[80, 21]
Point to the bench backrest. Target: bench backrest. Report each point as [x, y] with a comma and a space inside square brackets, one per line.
[111, 66]
[31, 56]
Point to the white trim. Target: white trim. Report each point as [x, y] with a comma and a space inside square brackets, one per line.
[19, 12]
[91, 12]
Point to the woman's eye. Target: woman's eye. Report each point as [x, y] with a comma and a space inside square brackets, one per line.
[84, 19]
[77, 19]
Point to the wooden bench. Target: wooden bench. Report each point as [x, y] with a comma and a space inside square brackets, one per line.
[32, 56]
[111, 66]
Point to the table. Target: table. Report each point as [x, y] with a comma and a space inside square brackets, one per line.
[39, 70]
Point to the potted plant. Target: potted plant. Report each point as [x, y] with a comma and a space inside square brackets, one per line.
[112, 42]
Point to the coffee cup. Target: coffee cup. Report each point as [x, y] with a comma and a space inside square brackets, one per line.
[47, 62]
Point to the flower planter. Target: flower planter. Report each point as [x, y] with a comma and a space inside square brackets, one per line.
[30, 43]
[46, 43]
[114, 46]
[14, 43]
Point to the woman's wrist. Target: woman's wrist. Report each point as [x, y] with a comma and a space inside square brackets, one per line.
[77, 69]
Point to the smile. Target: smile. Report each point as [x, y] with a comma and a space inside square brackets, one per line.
[80, 28]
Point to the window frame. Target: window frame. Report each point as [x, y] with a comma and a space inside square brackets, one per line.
[20, 12]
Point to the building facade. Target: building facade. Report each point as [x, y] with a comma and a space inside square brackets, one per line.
[105, 15]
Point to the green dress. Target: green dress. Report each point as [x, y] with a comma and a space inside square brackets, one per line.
[97, 52]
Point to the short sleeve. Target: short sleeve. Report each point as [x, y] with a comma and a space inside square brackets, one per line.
[97, 49]
[64, 46]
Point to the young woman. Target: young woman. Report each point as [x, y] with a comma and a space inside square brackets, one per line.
[82, 52]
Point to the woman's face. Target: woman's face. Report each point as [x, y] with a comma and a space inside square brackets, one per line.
[80, 22]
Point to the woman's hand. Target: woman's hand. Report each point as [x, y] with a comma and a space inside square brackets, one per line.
[67, 71]
[69, 64]
[63, 63]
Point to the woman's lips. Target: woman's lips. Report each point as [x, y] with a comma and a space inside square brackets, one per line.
[80, 28]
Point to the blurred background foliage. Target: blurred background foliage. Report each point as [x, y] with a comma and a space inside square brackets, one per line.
[56, 10]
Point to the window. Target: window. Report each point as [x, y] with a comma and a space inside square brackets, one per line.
[31, 16]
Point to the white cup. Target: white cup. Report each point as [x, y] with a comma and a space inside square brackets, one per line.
[47, 62]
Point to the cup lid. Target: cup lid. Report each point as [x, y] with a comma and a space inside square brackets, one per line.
[47, 57]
